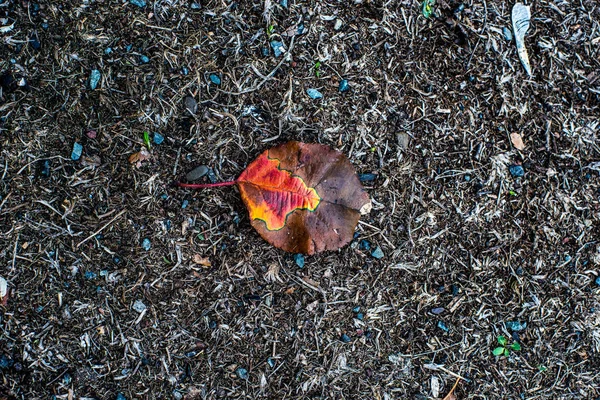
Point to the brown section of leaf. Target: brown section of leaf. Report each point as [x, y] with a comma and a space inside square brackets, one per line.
[517, 141]
[137, 158]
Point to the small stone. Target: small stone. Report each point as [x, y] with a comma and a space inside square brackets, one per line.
[283, 3]
[516, 171]
[214, 78]
[121, 396]
[467, 178]
[184, 204]
[185, 70]
[191, 105]
[507, 34]
[77, 150]
[242, 373]
[95, 76]
[158, 138]
[144, 59]
[338, 24]
[299, 259]
[34, 42]
[91, 134]
[367, 177]
[211, 176]
[515, 326]
[195, 6]
[146, 244]
[364, 245]
[443, 326]
[271, 362]
[196, 173]
[356, 309]
[90, 275]
[139, 306]
[314, 94]
[46, 168]
[377, 253]
[45, 26]
[108, 50]
[5, 362]
[277, 47]
[344, 86]
[598, 281]
[128, 47]
[67, 379]
[301, 29]
[139, 3]
[212, 324]
[438, 310]
[345, 338]
[360, 316]
[177, 395]
[264, 51]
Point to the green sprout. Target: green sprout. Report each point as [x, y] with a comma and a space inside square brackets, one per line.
[542, 368]
[504, 348]
[318, 69]
[512, 192]
[428, 8]
[270, 30]
[147, 139]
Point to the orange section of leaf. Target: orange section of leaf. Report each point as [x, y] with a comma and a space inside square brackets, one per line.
[271, 194]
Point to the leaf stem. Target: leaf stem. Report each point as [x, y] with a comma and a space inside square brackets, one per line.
[205, 185]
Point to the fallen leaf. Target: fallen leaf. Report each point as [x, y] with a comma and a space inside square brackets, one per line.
[290, 290]
[517, 141]
[302, 198]
[137, 158]
[204, 261]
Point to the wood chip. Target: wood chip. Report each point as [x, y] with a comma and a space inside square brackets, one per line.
[204, 261]
[517, 141]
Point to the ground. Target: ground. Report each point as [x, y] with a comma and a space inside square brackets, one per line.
[435, 109]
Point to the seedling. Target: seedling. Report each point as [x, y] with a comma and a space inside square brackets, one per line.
[270, 30]
[318, 69]
[147, 139]
[428, 8]
[504, 348]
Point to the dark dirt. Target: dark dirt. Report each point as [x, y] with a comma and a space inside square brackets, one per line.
[431, 108]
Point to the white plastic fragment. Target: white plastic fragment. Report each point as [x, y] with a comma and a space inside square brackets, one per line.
[521, 16]
[3, 288]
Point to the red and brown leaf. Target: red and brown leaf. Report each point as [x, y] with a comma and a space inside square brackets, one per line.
[302, 198]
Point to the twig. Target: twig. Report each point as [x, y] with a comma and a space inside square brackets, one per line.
[101, 229]
[452, 390]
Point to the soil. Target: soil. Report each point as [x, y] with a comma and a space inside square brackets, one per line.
[472, 252]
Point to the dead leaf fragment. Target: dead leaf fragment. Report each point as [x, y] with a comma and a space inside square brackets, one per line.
[137, 158]
[517, 141]
[204, 261]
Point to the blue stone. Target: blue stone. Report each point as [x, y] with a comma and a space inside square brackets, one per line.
[301, 29]
[104, 273]
[364, 245]
[108, 51]
[185, 70]
[5, 362]
[507, 34]
[144, 59]
[46, 168]
[345, 338]
[214, 78]
[277, 47]
[284, 3]
[116, 259]
[167, 223]
[467, 178]
[356, 309]
[299, 259]
[515, 326]
[121, 396]
[377, 253]
[184, 204]
[45, 26]
[360, 316]
[35, 43]
[129, 47]
[367, 177]
[139, 3]
[195, 6]
[212, 324]
[438, 310]
[443, 326]
[271, 362]
[67, 379]
[146, 244]
[344, 86]
[598, 281]
[158, 138]
[77, 150]
[264, 51]
[516, 170]
[314, 94]
[95, 76]
[242, 373]
[90, 275]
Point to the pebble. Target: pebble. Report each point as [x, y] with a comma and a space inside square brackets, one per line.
[67, 379]
[360, 316]
[91, 134]
[507, 34]
[121, 396]
[184, 204]
[299, 259]
[516, 170]
[158, 138]
[214, 78]
[94, 79]
[283, 3]
[338, 24]
[177, 395]
[516, 326]
[271, 362]
[364, 245]
[191, 104]
[301, 29]
[45, 26]
[211, 176]
[46, 168]
[196, 173]
[356, 309]
[5, 362]
[144, 59]
[264, 51]
[185, 70]
[314, 94]
[344, 86]
[443, 326]
[277, 47]
[367, 177]
[34, 42]
[108, 51]
[90, 275]
[345, 338]
[377, 253]
[438, 310]
[128, 47]
[242, 373]
[195, 6]
[146, 244]
[139, 3]
[77, 150]
[598, 281]
[139, 306]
